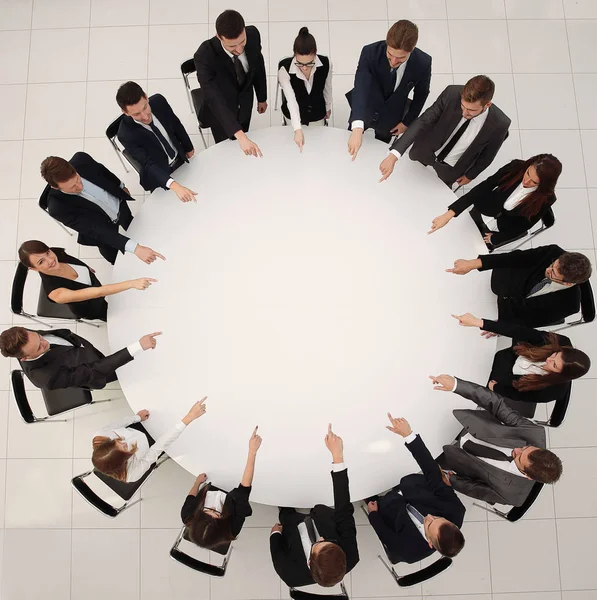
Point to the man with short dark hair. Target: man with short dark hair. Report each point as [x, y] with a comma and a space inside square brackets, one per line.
[535, 287]
[155, 138]
[229, 67]
[85, 196]
[421, 514]
[320, 547]
[59, 358]
[500, 454]
[387, 72]
[458, 135]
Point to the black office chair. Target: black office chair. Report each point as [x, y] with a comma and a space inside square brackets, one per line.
[43, 204]
[516, 512]
[527, 409]
[195, 96]
[587, 308]
[56, 401]
[198, 565]
[45, 307]
[111, 134]
[296, 594]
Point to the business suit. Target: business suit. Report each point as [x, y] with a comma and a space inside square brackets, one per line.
[514, 276]
[373, 99]
[94, 226]
[145, 147]
[333, 524]
[80, 365]
[488, 198]
[428, 494]
[502, 426]
[433, 128]
[227, 107]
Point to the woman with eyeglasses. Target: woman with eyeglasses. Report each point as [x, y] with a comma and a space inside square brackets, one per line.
[306, 82]
[68, 280]
[517, 196]
[539, 365]
[214, 518]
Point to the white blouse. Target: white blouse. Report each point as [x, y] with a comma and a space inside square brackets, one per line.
[524, 366]
[517, 196]
[83, 274]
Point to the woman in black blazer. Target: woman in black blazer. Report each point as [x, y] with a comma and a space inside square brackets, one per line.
[539, 365]
[67, 280]
[518, 195]
[214, 518]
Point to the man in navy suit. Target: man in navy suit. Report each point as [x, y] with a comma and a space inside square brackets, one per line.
[155, 138]
[386, 74]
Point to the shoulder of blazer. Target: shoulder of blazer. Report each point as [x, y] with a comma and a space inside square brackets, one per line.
[498, 118]
[253, 35]
[375, 50]
[82, 159]
[421, 59]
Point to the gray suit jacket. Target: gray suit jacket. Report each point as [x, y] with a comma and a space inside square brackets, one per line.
[432, 129]
[500, 425]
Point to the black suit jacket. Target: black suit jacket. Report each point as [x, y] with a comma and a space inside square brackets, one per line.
[147, 150]
[373, 99]
[81, 365]
[489, 200]
[225, 103]
[428, 494]
[514, 275]
[432, 129]
[94, 226]
[337, 524]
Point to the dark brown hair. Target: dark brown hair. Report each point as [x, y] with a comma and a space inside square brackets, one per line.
[478, 89]
[129, 93]
[450, 540]
[230, 24]
[548, 169]
[305, 43]
[576, 364]
[56, 170]
[12, 341]
[207, 531]
[574, 267]
[109, 459]
[403, 35]
[544, 466]
[328, 565]
[31, 247]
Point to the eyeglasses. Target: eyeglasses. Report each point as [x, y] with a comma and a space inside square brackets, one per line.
[300, 64]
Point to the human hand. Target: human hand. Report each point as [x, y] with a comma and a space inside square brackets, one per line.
[463, 266]
[126, 191]
[277, 527]
[201, 478]
[463, 180]
[191, 153]
[254, 442]
[261, 107]
[372, 506]
[327, 114]
[142, 283]
[399, 426]
[143, 414]
[468, 320]
[387, 166]
[491, 384]
[248, 147]
[354, 142]
[400, 128]
[197, 410]
[148, 341]
[446, 476]
[487, 237]
[299, 139]
[488, 334]
[146, 254]
[335, 445]
[184, 194]
[442, 220]
[444, 383]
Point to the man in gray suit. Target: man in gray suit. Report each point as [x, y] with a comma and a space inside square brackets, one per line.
[458, 135]
[500, 453]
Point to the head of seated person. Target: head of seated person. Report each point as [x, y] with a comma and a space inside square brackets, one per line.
[570, 268]
[61, 175]
[111, 455]
[476, 96]
[327, 563]
[230, 29]
[37, 256]
[538, 464]
[134, 103]
[209, 528]
[561, 364]
[443, 536]
[18, 342]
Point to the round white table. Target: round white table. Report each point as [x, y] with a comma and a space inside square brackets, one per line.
[299, 291]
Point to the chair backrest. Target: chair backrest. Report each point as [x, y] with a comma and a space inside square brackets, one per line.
[112, 129]
[43, 199]
[518, 511]
[560, 408]
[302, 595]
[91, 497]
[587, 302]
[18, 289]
[428, 572]
[187, 67]
[194, 563]
[548, 218]
[20, 395]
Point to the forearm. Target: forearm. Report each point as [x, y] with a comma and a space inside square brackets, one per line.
[64, 296]
[247, 478]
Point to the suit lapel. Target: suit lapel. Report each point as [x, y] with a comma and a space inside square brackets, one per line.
[224, 59]
[484, 427]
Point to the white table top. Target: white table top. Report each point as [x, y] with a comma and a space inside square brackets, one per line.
[298, 291]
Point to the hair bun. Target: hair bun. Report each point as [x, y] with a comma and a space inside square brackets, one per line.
[303, 31]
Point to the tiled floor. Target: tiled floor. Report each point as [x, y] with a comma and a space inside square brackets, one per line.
[61, 62]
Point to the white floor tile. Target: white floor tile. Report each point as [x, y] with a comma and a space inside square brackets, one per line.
[5, 400]
[416, 9]
[573, 221]
[263, 516]
[538, 571]
[58, 55]
[439, 82]
[589, 148]
[9, 210]
[532, 41]
[16, 14]
[36, 564]
[253, 11]
[534, 9]
[16, 45]
[580, 595]
[577, 430]
[168, 12]
[101, 108]
[585, 88]
[10, 168]
[316, 10]
[50, 14]
[580, 9]
[7, 270]
[24, 480]
[461, 9]
[5, 367]
[575, 540]
[112, 12]
[581, 40]
[349, 10]
[434, 39]
[97, 553]
[12, 112]
[528, 596]
[576, 492]
[543, 507]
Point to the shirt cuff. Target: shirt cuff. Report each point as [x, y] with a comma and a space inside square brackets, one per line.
[169, 182]
[137, 419]
[274, 532]
[338, 467]
[356, 124]
[395, 153]
[122, 186]
[455, 384]
[180, 426]
[410, 437]
[130, 246]
[134, 349]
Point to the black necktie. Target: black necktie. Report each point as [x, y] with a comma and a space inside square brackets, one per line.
[310, 528]
[167, 147]
[393, 76]
[539, 286]
[485, 451]
[240, 72]
[450, 145]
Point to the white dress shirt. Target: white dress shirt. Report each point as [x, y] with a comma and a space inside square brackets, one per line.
[244, 61]
[215, 499]
[552, 286]
[524, 366]
[517, 196]
[293, 107]
[133, 348]
[83, 274]
[306, 540]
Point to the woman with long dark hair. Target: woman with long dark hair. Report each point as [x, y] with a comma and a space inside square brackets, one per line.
[517, 196]
[539, 365]
[68, 280]
[306, 82]
[214, 518]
